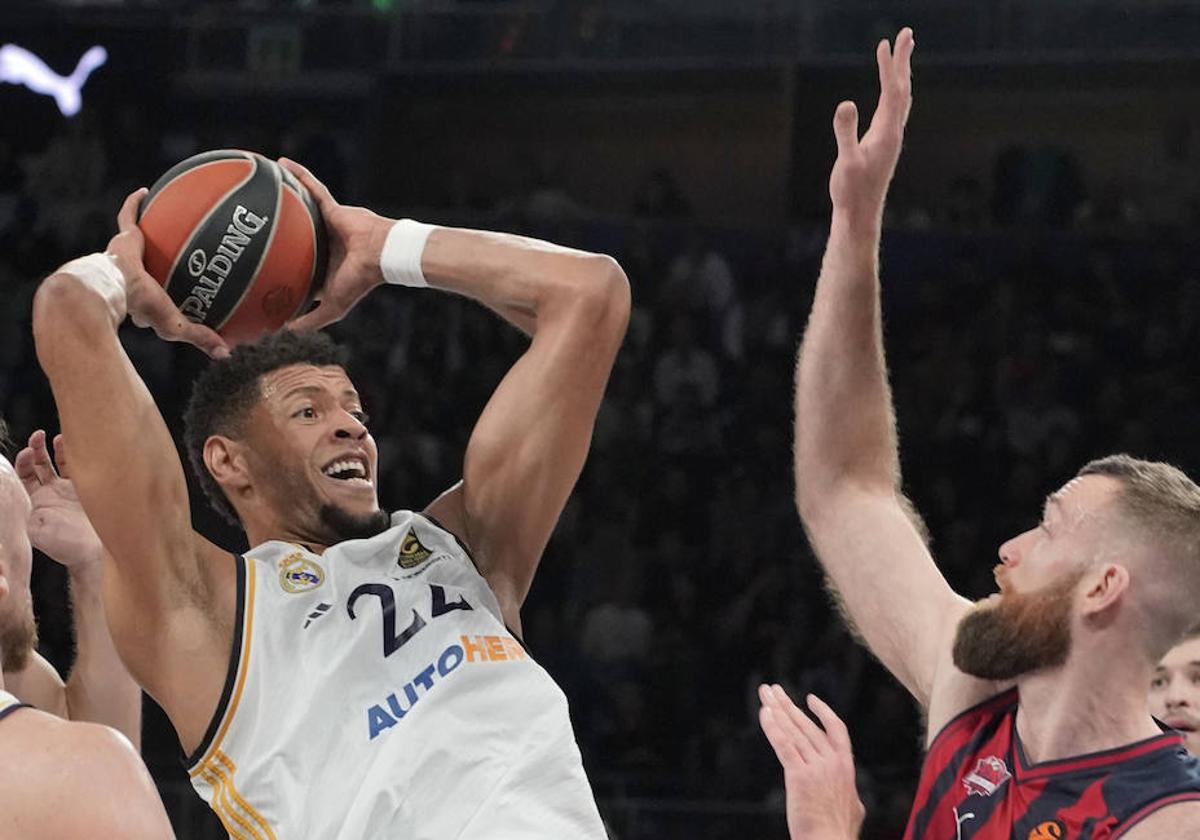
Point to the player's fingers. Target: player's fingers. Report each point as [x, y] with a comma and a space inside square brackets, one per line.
[154, 308]
[839, 736]
[902, 74]
[23, 464]
[845, 128]
[817, 740]
[43, 467]
[326, 313]
[320, 192]
[906, 42]
[777, 737]
[127, 215]
[203, 337]
[781, 706]
[60, 455]
[883, 58]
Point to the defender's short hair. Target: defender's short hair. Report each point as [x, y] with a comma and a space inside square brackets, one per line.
[228, 389]
[1163, 506]
[5, 440]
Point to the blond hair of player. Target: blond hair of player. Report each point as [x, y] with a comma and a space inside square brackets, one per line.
[59, 779]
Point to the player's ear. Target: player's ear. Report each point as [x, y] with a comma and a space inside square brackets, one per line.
[225, 460]
[1103, 588]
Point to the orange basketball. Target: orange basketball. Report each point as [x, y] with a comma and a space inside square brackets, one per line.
[237, 242]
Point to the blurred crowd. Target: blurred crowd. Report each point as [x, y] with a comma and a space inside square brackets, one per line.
[679, 577]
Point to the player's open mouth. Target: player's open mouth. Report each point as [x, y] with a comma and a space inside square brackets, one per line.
[350, 470]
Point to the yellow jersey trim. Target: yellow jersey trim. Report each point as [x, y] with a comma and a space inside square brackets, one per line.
[243, 669]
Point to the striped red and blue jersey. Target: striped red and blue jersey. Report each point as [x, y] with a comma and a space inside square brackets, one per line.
[976, 783]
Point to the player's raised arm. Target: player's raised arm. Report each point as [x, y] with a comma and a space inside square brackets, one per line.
[847, 462]
[129, 478]
[530, 443]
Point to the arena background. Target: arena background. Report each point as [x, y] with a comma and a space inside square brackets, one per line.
[1043, 302]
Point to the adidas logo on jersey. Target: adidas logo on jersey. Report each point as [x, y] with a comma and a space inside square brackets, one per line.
[317, 611]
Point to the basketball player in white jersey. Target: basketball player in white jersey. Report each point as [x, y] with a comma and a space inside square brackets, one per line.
[59, 780]
[355, 674]
[98, 689]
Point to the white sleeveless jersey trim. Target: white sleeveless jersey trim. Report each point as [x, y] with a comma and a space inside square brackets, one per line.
[374, 692]
[9, 704]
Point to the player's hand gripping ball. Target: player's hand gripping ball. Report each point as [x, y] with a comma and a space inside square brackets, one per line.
[237, 242]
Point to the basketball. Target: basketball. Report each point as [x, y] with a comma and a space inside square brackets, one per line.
[237, 242]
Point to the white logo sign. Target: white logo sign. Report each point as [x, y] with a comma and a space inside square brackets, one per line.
[18, 66]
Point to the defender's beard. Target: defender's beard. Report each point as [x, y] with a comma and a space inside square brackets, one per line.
[18, 635]
[1017, 634]
[353, 526]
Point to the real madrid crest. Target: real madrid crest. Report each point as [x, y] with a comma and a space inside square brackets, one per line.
[412, 553]
[297, 573]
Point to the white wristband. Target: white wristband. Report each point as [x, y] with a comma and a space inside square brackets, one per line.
[99, 273]
[401, 257]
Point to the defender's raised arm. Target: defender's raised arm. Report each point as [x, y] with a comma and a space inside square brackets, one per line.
[847, 460]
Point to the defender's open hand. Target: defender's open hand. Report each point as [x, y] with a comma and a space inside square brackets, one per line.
[818, 767]
[864, 167]
[58, 526]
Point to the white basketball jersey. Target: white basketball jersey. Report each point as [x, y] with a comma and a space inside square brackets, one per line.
[374, 693]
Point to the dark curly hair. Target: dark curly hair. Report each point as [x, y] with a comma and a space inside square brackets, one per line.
[228, 389]
[5, 440]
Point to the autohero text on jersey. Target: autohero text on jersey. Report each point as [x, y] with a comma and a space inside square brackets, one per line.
[471, 650]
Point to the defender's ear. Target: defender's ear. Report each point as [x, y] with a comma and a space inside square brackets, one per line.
[1103, 588]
